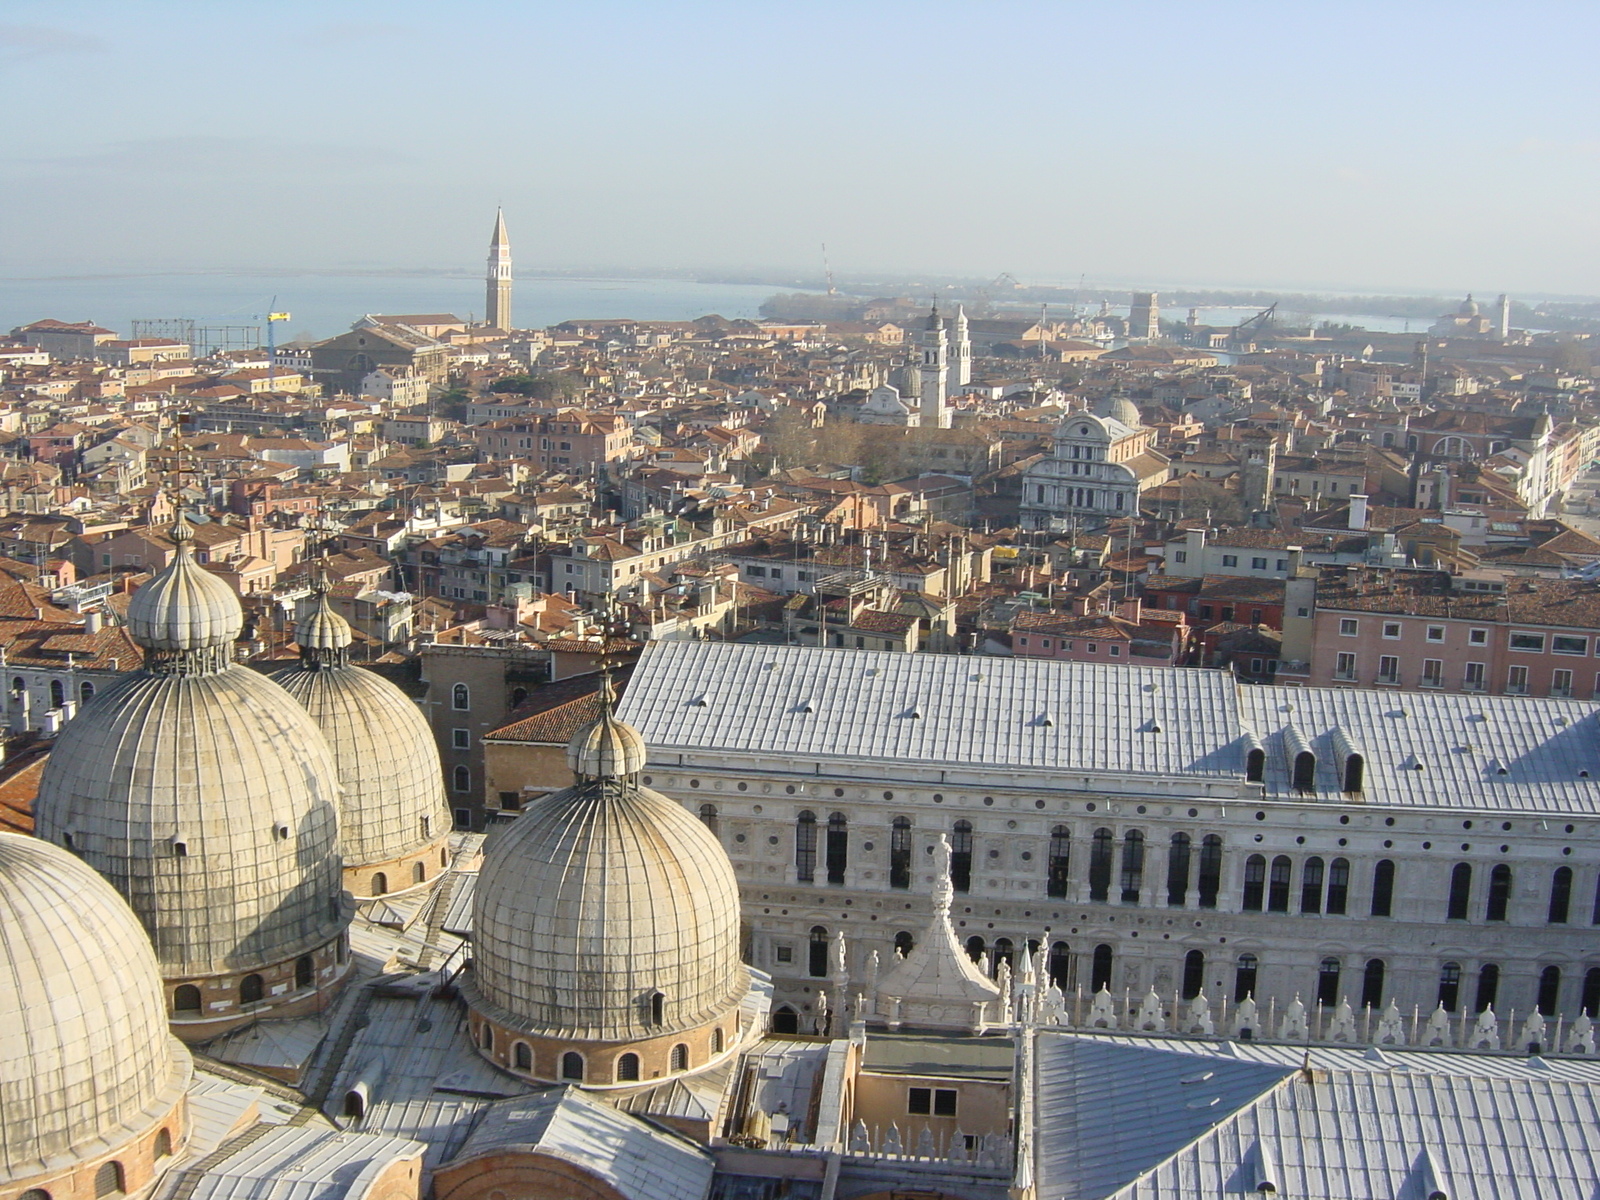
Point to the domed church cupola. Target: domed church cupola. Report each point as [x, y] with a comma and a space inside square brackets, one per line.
[606, 931]
[393, 820]
[208, 798]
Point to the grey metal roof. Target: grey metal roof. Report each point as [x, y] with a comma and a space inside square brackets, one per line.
[642, 1161]
[954, 1056]
[303, 1163]
[1117, 1120]
[1011, 715]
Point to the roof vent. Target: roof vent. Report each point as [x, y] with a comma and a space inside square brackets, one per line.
[698, 702]
[1047, 720]
[1200, 1078]
[1432, 1183]
[914, 713]
[1151, 726]
[805, 706]
[1263, 1170]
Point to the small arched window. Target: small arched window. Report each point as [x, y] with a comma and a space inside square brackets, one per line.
[1178, 870]
[1004, 952]
[900, 852]
[522, 1056]
[304, 971]
[355, 1105]
[58, 693]
[975, 949]
[1100, 852]
[1244, 977]
[1499, 893]
[961, 857]
[708, 817]
[1061, 965]
[572, 1066]
[163, 1146]
[1460, 892]
[419, 873]
[1328, 982]
[1060, 856]
[817, 953]
[518, 697]
[1560, 895]
[108, 1180]
[1311, 885]
[1383, 888]
[1255, 882]
[1338, 886]
[1355, 770]
[1278, 885]
[805, 847]
[658, 1007]
[460, 698]
[1132, 866]
[85, 692]
[17, 685]
[1549, 991]
[251, 989]
[904, 943]
[838, 848]
[380, 884]
[488, 1037]
[1194, 974]
[1305, 771]
[680, 1058]
[461, 779]
[1488, 987]
[1450, 985]
[186, 998]
[1101, 975]
[716, 1040]
[1255, 766]
[628, 1068]
[1210, 869]
[1372, 984]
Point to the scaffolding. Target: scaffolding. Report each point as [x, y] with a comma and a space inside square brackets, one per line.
[203, 340]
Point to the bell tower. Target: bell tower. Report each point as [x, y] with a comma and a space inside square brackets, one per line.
[497, 302]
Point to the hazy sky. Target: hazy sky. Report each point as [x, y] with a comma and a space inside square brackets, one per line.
[1401, 144]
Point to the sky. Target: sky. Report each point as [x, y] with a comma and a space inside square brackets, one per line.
[1411, 146]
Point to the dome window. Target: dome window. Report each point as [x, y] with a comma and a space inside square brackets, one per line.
[251, 989]
[572, 1066]
[304, 971]
[108, 1180]
[628, 1068]
[522, 1056]
[180, 849]
[680, 1057]
[282, 831]
[419, 873]
[380, 883]
[716, 1041]
[658, 1008]
[34, 1194]
[186, 998]
[163, 1146]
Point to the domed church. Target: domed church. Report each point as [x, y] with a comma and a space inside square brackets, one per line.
[393, 820]
[606, 932]
[92, 1086]
[209, 799]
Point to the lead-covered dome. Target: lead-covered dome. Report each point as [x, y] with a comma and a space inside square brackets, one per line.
[86, 1062]
[598, 898]
[203, 791]
[392, 802]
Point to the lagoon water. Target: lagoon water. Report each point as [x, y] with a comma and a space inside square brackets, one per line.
[325, 304]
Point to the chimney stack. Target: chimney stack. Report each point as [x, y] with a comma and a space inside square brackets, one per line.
[1358, 512]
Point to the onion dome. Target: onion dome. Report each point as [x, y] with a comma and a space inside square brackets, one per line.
[392, 801]
[185, 610]
[607, 912]
[203, 791]
[86, 1063]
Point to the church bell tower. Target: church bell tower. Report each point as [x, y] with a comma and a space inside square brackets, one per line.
[497, 303]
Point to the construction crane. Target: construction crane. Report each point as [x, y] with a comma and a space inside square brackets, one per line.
[1007, 279]
[272, 345]
[1267, 316]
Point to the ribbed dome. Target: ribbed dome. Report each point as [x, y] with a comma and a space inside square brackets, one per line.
[1120, 408]
[185, 607]
[86, 1062]
[387, 761]
[606, 747]
[322, 628]
[228, 766]
[593, 900]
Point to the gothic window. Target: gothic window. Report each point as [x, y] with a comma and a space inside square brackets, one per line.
[1338, 886]
[1372, 984]
[1060, 855]
[1383, 888]
[817, 953]
[900, 853]
[1328, 982]
[805, 847]
[838, 848]
[1278, 885]
[1255, 881]
[1132, 866]
[961, 857]
[1549, 991]
[1488, 985]
[1210, 869]
[1100, 852]
[1499, 893]
[1460, 892]
[1560, 895]
[1194, 974]
[572, 1066]
[460, 698]
[785, 1020]
[1311, 886]
[628, 1068]
[1101, 975]
[1450, 985]
[1178, 870]
[1244, 977]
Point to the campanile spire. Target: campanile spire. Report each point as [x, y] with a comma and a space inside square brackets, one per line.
[497, 302]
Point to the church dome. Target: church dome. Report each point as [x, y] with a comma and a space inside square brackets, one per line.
[1120, 408]
[86, 1063]
[203, 791]
[606, 747]
[607, 912]
[185, 607]
[1469, 307]
[392, 801]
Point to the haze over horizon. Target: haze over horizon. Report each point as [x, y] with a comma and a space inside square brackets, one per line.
[1430, 147]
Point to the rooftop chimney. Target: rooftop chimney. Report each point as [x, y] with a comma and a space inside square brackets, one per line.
[1358, 511]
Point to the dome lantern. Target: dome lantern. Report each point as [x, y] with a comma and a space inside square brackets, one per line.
[186, 618]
